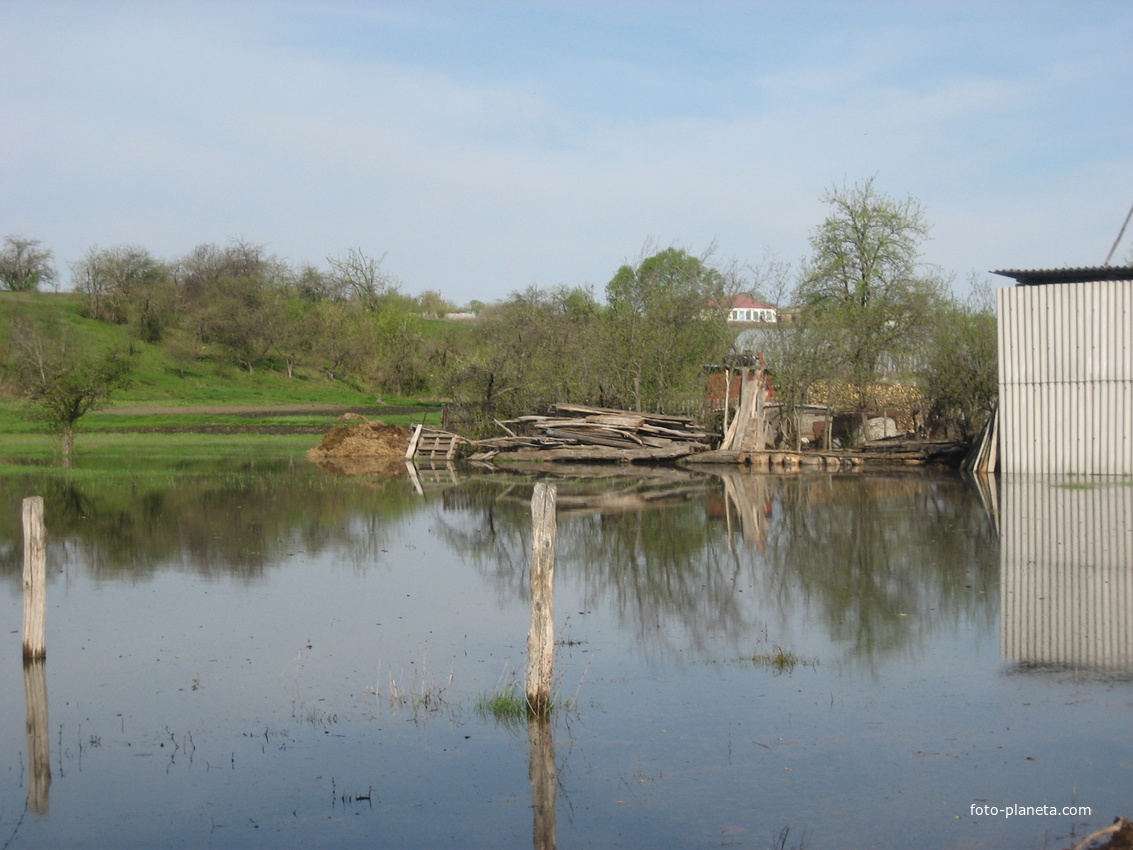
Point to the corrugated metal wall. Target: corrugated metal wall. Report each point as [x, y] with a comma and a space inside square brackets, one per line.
[1066, 573]
[1066, 378]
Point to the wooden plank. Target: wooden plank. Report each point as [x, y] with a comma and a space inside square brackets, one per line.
[601, 453]
[618, 420]
[617, 439]
[649, 417]
[718, 456]
[416, 435]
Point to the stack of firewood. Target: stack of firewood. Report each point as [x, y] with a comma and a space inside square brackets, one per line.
[578, 432]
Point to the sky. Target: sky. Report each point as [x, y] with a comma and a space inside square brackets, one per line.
[480, 148]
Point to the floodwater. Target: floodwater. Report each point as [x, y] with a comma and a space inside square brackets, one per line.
[265, 655]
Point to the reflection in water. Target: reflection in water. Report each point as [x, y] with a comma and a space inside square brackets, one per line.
[544, 782]
[747, 499]
[1067, 573]
[882, 560]
[39, 746]
[235, 524]
[890, 580]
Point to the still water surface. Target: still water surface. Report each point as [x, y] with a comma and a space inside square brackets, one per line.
[269, 656]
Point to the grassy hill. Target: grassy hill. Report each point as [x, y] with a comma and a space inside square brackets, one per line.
[165, 396]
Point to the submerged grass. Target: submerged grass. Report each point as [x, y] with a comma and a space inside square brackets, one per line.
[421, 695]
[511, 707]
[780, 660]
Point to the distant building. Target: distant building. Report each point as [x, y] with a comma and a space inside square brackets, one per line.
[746, 309]
[1066, 371]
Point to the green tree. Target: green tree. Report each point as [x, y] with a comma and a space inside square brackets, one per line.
[64, 380]
[235, 297]
[538, 346]
[865, 283]
[666, 319]
[959, 372]
[433, 305]
[24, 266]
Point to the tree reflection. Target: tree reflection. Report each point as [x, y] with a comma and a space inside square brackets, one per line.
[881, 561]
[885, 560]
[225, 524]
[686, 559]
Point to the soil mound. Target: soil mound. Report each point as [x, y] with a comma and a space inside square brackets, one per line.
[371, 448]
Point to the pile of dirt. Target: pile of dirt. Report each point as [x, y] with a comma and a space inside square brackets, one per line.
[370, 448]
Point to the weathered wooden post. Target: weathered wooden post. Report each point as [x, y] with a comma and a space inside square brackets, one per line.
[541, 637]
[35, 579]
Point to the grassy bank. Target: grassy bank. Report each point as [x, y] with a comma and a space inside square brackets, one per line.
[170, 438]
[204, 408]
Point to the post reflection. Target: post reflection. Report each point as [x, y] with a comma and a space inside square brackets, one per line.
[1066, 573]
[544, 782]
[39, 745]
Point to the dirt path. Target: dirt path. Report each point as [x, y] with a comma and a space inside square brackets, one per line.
[257, 410]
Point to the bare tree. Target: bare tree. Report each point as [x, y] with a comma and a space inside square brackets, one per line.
[362, 277]
[24, 266]
[125, 284]
[798, 349]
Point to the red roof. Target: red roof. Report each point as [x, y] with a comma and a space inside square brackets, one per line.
[745, 302]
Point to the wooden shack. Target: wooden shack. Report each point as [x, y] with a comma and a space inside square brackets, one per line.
[1066, 371]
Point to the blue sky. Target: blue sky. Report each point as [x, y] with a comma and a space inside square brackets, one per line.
[484, 147]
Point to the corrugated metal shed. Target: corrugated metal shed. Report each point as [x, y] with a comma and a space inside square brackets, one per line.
[1066, 371]
[1088, 274]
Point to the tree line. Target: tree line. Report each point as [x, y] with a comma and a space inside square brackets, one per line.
[860, 309]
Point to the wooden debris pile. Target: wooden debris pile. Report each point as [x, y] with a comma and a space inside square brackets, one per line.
[574, 432]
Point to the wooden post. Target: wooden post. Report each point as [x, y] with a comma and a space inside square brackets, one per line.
[35, 579]
[727, 396]
[541, 637]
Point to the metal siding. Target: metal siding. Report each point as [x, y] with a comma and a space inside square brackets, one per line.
[1066, 378]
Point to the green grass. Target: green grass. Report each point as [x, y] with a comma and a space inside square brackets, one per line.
[213, 380]
[511, 707]
[172, 436]
[1093, 485]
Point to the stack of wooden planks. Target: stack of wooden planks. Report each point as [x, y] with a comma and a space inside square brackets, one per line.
[579, 432]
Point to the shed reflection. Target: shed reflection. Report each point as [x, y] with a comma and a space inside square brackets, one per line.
[1066, 573]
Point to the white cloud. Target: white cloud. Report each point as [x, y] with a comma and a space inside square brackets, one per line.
[483, 158]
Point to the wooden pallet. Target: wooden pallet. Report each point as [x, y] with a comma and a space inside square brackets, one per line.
[430, 444]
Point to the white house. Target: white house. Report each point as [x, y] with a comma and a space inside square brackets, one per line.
[746, 309]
